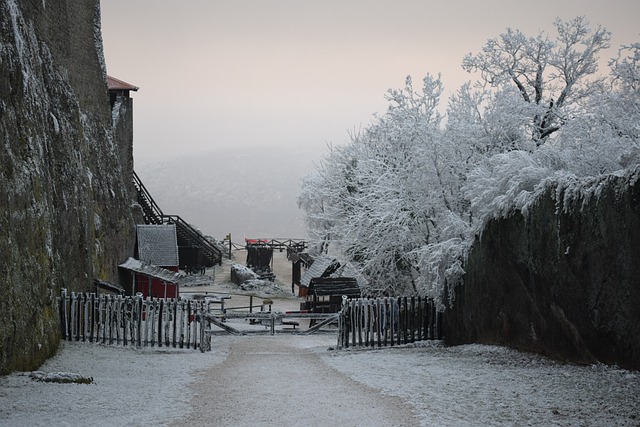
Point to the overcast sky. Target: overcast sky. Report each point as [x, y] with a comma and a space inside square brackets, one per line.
[240, 73]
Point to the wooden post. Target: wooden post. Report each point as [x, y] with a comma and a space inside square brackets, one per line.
[167, 322]
[110, 313]
[160, 326]
[372, 321]
[188, 319]
[101, 316]
[139, 319]
[412, 322]
[181, 331]
[152, 320]
[73, 316]
[345, 321]
[92, 315]
[385, 319]
[352, 313]
[174, 304]
[61, 311]
[119, 309]
[365, 321]
[392, 321]
[195, 325]
[295, 275]
[359, 320]
[273, 323]
[145, 315]
[378, 321]
[125, 319]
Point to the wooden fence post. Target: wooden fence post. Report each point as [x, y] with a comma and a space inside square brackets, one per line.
[174, 305]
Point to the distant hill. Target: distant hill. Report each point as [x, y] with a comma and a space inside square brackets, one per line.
[246, 192]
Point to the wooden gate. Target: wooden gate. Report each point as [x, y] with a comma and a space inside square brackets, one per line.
[116, 319]
[388, 321]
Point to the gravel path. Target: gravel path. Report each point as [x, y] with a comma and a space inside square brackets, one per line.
[281, 380]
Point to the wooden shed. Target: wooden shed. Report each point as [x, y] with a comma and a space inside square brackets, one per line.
[325, 293]
[149, 280]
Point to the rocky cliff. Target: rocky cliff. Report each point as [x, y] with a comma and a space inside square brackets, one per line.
[562, 280]
[65, 213]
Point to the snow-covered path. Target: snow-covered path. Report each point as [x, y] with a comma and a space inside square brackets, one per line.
[282, 381]
[285, 380]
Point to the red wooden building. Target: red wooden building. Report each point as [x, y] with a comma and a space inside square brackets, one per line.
[149, 280]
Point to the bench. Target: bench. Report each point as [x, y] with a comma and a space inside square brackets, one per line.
[290, 323]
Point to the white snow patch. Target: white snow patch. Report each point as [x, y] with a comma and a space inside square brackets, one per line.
[446, 386]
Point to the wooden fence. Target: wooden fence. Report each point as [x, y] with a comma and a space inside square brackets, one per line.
[133, 320]
[388, 321]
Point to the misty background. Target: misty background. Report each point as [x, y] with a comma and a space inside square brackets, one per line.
[238, 100]
[246, 192]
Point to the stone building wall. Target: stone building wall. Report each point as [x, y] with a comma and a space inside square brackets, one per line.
[65, 211]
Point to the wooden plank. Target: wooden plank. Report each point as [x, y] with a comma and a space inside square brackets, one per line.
[126, 318]
[62, 304]
[412, 320]
[317, 326]
[160, 307]
[93, 317]
[74, 305]
[108, 308]
[167, 323]
[181, 324]
[145, 320]
[379, 320]
[188, 337]
[139, 321]
[359, 319]
[216, 321]
[354, 324]
[174, 306]
[194, 335]
[119, 319]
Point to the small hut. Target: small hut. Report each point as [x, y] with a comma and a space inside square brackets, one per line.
[149, 280]
[259, 256]
[325, 293]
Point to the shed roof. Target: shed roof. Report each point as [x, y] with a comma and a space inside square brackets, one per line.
[140, 267]
[116, 84]
[348, 270]
[158, 245]
[317, 269]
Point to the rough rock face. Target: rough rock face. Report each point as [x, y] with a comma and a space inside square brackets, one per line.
[562, 281]
[65, 214]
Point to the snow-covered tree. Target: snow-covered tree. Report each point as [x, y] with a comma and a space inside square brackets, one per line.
[390, 190]
[553, 76]
[404, 199]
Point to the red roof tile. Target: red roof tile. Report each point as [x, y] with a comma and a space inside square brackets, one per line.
[115, 84]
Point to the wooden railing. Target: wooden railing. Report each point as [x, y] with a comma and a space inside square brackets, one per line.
[388, 321]
[187, 235]
[134, 320]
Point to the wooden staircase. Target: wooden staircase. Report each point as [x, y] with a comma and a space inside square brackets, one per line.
[194, 250]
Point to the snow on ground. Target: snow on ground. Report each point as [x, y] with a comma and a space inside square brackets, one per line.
[275, 380]
[475, 385]
[282, 380]
[130, 387]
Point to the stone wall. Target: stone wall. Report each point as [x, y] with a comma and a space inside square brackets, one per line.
[65, 212]
[563, 281]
